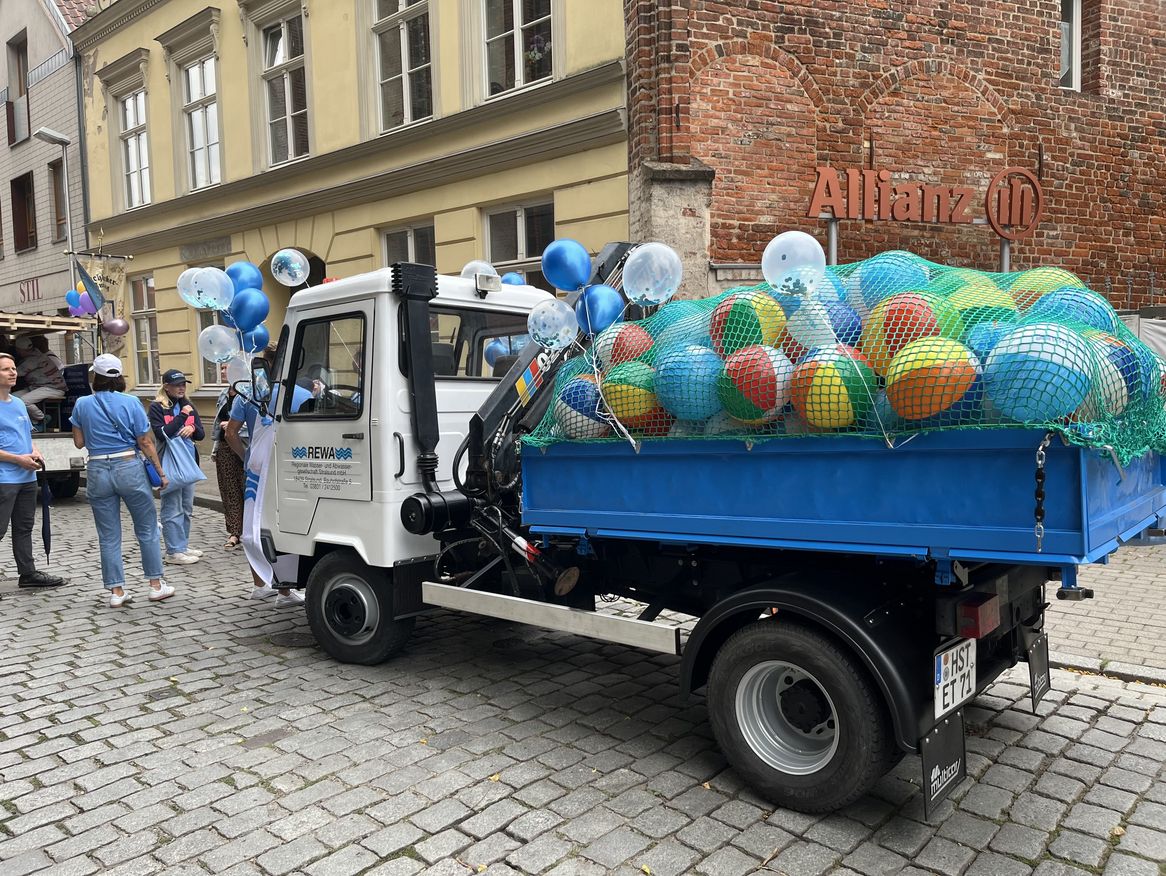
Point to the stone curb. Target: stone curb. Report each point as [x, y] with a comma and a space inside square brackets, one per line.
[1109, 668]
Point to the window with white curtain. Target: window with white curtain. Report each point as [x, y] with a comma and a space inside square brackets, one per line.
[200, 108]
[404, 62]
[135, 150]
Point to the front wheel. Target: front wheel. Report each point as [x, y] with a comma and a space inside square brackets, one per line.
[349, 606]
[797, 716]
[64, 486]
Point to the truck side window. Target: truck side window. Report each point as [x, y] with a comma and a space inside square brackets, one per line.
[327, 369]
[475, 343]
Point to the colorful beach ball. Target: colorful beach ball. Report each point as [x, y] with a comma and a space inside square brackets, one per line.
[981, 300]
[984, 337]
[931, 376]
[686, 381]
[1027, 286]
[1076, 308]
[630, 392]
[902, 318]
[755, 384]
[886, 274]
[1116, 378]
[845, 328]
[945, 281]
[1039, 373]
[833, 388]
[744, 319]
[620, 343]
[577, 411]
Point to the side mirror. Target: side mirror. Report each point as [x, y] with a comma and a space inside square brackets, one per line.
[261, 384]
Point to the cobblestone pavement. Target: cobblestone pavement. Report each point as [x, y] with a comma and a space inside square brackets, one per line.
[208, 734]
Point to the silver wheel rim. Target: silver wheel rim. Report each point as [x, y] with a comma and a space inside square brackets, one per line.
[351, 610]
[769, 731]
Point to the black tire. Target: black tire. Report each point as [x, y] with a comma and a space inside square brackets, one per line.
[65, 486]
[797, 716]
[348, 605]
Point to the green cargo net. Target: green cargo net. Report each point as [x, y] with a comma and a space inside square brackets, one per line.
[885, 348]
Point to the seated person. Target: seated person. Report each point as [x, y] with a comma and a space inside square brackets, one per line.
[41, 373]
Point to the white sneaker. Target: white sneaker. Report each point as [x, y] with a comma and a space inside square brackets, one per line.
[194, 552]
[180, 559]
[292, 597]
[163, 592]
[116, 601]
[261, 592]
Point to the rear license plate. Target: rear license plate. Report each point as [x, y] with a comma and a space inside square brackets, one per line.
[955, 676]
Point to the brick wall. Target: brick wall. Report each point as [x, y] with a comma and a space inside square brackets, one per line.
[941, 92]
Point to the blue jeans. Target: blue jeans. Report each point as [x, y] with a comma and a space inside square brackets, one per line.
[109, 482]
[177, 506]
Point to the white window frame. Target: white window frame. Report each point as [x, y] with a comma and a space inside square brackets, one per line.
[400, 20]
[525, 261]
[411, 231]
[1074, 37]
[134, 139]
[283, 71]
[145, 314]
[516, 36]
[202, 111]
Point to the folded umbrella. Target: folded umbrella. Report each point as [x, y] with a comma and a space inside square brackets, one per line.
[46, 529]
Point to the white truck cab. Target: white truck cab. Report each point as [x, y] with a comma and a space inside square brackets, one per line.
[345, 455]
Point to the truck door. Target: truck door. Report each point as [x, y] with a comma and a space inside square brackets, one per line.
[323, 437]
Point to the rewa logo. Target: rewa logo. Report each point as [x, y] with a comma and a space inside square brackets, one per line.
[319, 452]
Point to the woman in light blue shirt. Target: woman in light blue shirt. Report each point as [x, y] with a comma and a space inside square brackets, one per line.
[113, 427]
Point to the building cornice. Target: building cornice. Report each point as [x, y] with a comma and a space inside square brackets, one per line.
[525, 102]
[590, 132]
[109, 20]
[195, 27]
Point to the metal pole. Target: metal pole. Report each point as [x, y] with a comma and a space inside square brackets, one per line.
[1005, 255]
[69, 217]
[832, 242]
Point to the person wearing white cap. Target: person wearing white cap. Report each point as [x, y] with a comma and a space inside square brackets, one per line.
[113, 427]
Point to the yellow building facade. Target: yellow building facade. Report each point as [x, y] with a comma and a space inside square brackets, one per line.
[361, 132]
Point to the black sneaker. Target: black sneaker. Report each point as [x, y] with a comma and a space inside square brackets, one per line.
[41, 579]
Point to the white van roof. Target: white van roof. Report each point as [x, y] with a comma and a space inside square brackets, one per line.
[457, 291]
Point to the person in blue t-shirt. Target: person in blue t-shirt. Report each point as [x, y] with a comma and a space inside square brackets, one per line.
[113, 427]
[19, 463]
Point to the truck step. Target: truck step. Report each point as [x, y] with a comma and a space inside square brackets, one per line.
[625, 631]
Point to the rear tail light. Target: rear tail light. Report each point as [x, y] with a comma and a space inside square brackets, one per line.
[978, 615]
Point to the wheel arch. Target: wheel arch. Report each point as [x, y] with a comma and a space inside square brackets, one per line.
[879, 646]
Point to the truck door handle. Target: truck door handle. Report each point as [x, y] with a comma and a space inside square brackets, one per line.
[353, 436]
[401, 449]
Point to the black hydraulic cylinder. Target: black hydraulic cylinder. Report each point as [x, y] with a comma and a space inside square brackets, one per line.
[416, 285]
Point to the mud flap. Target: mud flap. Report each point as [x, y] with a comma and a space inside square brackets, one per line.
[945, 762]
[1037, 656]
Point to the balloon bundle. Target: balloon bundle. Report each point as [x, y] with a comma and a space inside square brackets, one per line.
[885, 348]
[236, 295]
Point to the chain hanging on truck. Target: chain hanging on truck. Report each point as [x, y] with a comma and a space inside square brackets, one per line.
[1039, 494]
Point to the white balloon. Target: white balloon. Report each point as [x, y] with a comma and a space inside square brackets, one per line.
[477, 266]
[794, 263]
[238, 368]
[652, 274]
[217, 343]
[290, 267]
[213, 288]
[186, 288]
[552, 324]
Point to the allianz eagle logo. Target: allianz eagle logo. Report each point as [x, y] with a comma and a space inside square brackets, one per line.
[320, 452]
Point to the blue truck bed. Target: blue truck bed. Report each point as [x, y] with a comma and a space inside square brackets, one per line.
[961, 495]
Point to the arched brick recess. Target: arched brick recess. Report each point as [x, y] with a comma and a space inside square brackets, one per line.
[932, 127]
[753, 119]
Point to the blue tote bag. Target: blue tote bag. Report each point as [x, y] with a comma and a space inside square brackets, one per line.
[181, 464]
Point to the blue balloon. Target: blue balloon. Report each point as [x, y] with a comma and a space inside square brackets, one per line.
[598, 307]
[73, 298]
[256, 339]
[566, 264]
[513, 278]
[494, 349]
[249, 308]
[245, 275]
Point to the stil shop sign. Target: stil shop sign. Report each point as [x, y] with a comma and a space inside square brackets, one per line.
[1012, 203]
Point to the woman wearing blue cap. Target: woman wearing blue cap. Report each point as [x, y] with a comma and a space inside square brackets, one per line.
[173, 418]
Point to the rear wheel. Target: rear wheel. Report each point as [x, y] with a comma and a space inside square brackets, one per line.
[797, 716]
[349, 607]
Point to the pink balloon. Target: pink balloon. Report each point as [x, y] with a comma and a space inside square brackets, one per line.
[116, 326]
